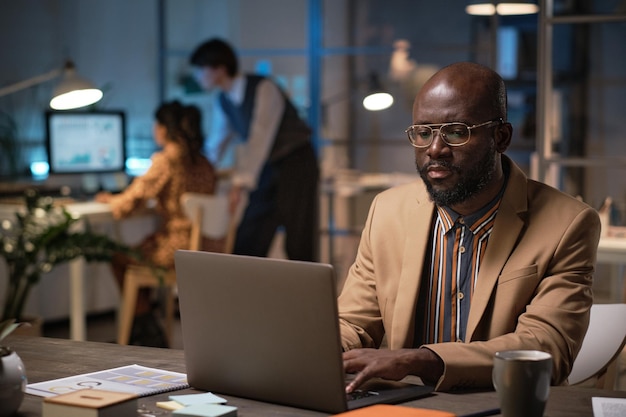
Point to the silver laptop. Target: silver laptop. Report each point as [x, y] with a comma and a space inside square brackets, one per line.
[267, 329]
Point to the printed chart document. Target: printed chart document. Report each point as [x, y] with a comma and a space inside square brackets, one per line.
[608, 407]
[132, 379]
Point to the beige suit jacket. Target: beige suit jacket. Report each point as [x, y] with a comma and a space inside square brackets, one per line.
[533, 289]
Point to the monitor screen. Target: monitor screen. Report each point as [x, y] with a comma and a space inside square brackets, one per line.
[85, 142]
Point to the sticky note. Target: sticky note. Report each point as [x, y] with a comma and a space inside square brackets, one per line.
[170, 405]
[204, 398]
[206, 410]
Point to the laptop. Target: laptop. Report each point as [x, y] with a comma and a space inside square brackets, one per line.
[267, 329]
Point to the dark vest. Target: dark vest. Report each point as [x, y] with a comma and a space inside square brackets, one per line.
[292, 132]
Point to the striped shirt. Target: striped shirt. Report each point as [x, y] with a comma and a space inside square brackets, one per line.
[458, 244]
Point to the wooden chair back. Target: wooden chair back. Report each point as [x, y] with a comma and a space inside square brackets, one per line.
[210, 219]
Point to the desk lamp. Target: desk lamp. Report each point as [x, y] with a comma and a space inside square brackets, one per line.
[72, 92]
[377, 99]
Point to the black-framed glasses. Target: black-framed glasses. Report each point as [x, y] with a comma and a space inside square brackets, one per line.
[453, 134]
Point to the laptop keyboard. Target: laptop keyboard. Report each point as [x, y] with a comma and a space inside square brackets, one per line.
[358, 394]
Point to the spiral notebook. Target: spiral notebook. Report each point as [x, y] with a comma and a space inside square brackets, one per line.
[133, 379]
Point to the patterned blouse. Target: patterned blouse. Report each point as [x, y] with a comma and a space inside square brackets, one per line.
[169, 176]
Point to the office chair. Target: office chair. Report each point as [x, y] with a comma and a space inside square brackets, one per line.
[210, 219]
[601, 346]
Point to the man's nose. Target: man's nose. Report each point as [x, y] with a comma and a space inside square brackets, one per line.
[438, 144]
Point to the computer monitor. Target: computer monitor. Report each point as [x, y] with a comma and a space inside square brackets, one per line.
[80, 142]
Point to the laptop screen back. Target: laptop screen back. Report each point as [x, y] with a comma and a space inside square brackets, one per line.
[261, 328]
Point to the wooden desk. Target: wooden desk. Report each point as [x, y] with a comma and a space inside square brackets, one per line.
[47, 359]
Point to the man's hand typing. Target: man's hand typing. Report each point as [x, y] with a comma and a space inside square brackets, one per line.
[391, 364]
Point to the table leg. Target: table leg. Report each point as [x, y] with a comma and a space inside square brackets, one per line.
[77, 300]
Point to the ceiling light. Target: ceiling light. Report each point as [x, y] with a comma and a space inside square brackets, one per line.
[520, 7]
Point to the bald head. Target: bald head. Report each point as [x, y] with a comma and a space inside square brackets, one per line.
[475, 88]
[465, 176]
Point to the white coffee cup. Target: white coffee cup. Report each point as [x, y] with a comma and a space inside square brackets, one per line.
[522, 380]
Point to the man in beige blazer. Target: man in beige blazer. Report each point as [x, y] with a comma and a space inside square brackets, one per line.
[531, 282]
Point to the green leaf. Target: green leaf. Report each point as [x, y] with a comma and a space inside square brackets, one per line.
[41, 239]
[8, 326]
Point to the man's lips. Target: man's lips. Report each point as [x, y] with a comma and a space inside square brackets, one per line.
[438, 172]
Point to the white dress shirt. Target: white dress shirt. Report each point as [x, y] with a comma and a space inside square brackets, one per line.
[267, 113]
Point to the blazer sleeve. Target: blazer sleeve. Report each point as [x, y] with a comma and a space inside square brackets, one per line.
[360, 320]
[377, 302]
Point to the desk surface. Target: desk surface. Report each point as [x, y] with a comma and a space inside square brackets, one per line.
[47, 359]
[90, 210]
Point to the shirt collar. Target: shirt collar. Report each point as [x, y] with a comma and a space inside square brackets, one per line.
[450, 217]
[237, 90]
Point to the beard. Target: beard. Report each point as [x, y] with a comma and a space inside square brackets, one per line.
[471, 181]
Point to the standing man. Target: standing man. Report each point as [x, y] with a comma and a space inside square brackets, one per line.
[276, 167]
[473, 259]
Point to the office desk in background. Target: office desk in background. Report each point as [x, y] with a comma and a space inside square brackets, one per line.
[44, 360]
[97, 216]
[612, 251]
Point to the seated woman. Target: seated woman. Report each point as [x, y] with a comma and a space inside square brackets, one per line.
[178, 168]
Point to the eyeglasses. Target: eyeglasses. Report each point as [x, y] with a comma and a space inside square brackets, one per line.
[453, 134]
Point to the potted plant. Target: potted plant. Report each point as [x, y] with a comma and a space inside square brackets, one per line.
[12, 373]
[41, 237]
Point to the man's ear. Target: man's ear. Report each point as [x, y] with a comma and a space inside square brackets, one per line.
[503, 135]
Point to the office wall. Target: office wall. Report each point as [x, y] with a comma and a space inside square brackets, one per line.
[112, 43]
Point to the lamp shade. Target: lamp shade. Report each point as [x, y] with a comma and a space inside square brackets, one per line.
[377, 99]
[515, 7]
[74, 91]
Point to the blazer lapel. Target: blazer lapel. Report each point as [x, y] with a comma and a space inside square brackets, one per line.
[506, 229]
[418, 223]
